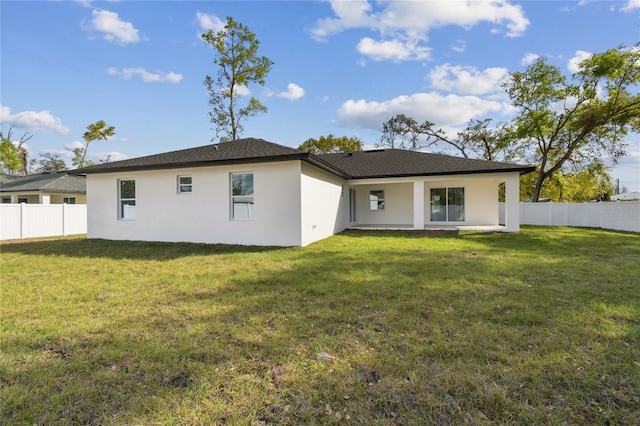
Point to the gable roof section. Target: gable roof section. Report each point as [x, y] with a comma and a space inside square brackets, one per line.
[383, 163]
[355, 165]
[241, 151]
[45, 182]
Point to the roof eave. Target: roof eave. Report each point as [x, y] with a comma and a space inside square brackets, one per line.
[520, 170]
[44, 191]
[184, 165]
[315, 161]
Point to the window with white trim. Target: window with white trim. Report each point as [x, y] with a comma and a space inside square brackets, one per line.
[69, 200]
[241, 196]
[376, 200]
[185, 185]
[126, 199]
[6, 200]
[447, 204]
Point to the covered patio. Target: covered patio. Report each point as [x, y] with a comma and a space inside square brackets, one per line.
[451, 202]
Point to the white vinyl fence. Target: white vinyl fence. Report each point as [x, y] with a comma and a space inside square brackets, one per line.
[41, 220]
[619, 215]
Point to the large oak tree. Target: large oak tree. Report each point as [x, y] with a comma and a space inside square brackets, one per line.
[577, 123]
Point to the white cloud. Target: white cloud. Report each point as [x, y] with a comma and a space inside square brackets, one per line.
[448, 110]
[350, 14]
[209, 21]
[404, 24]
[146, 76]
[459, 46]
[394, 50]
[467, 79]
[293, 92]
[529, 58]
[574, 63]
[240, 90]
[631, 5]
[96, 157]
[112, 28]
[33, 120]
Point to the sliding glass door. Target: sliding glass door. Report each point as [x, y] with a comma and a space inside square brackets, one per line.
[447, 204]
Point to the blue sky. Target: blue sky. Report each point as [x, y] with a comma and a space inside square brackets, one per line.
[341, 67]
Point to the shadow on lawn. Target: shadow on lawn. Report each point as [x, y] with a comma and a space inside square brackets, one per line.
[391, 332]
[134, 250]
[98, 248]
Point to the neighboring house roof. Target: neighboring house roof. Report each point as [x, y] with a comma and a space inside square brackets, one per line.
[45, 182]
[356, 165]
[626, 196]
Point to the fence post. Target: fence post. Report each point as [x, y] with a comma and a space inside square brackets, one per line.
[64, 219]
[22, 220]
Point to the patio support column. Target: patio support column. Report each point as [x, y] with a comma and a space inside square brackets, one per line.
[418, 204]
[512, 203]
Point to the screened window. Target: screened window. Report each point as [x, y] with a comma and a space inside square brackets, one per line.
[69, 200]
[447, 204]
[184, 185]
[242, 196]
[376, 200]
[127, 199]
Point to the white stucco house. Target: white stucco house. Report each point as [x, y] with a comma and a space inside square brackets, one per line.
[254, 192]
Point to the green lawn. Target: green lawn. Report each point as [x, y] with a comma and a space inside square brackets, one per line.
[538, 327]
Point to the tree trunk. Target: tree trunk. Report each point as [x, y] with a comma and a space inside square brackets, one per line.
[538, 188]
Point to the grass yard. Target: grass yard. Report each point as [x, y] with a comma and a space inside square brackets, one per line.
[376, 328]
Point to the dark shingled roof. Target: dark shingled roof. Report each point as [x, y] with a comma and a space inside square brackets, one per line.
[402, 163]
[248, 150]
[356, 165]
[46, 182]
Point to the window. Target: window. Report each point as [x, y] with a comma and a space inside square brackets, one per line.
[127, 199]
[23, 200]
[376, 200]
[241, 196]
[69, 200]
[447, 204]
[6, 200]
[184, 185]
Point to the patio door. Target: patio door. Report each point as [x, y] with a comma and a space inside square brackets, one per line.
[447, 204]
[352, 205]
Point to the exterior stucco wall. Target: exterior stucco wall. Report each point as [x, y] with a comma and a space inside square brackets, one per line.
[324, 204]
[398, 204]
[204, 215]
[15, 196]
[59, 198]
[36, 198]
[480, 199]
